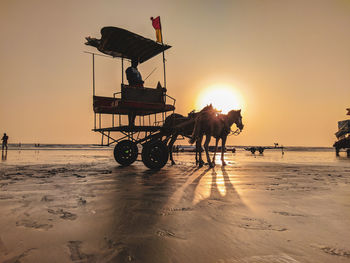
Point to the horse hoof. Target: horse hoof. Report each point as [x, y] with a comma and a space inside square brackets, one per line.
[173, 163]
[224, 164]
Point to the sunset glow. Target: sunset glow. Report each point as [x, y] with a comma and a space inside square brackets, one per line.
[223, 97]
[282, 62]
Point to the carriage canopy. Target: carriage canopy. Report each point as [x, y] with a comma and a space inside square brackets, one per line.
[118, 42]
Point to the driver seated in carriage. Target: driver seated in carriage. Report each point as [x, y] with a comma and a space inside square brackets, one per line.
[135, 80]
[133, 75]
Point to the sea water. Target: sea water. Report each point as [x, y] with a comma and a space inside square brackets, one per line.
[28, 154]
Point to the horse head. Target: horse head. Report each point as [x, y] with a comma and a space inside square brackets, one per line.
[235, 116]
[207, 108]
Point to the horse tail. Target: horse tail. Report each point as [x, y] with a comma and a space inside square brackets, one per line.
[196, 129]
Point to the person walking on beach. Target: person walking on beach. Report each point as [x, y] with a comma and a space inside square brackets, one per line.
[4, 141]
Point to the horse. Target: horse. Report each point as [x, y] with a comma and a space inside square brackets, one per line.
[177, 124]
[217, 125]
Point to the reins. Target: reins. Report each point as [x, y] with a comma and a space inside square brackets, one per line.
[235, 133]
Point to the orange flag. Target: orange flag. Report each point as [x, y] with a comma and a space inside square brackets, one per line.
[157, 26]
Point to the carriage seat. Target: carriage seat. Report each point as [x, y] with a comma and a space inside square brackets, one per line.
[142, 101]
[130, 93]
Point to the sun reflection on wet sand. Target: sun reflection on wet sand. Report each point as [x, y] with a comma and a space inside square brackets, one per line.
[236, 184]
[203, 188]
[222, 179]
[220, 183]
[178, 194]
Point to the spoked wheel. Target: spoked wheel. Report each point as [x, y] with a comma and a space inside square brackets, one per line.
[155, 154]
[125, 152]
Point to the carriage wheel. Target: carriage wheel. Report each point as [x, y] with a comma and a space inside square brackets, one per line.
[155, 155]
[125, 152]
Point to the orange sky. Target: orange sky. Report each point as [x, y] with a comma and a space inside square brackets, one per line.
[289, 60]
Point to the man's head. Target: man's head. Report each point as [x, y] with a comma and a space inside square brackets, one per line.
[134, 63]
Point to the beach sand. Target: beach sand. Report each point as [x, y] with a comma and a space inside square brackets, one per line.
[80, 206]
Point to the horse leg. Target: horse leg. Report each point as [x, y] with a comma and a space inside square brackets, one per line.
[170, 147]
[206, 147]
[216, 148]
[223, 142]
[199, 150]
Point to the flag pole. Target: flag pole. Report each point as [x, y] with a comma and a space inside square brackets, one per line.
[161, 35]
[158, 26]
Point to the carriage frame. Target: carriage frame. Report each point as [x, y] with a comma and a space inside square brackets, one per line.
[151, 106]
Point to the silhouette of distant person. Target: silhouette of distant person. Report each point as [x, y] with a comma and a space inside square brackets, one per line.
[133, 75]
[4, 141]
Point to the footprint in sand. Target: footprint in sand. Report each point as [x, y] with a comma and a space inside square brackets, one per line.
[267, 259]
[170, 211]
[259, 224]
[19, 257]
[286, 213]
[117, 251]
[76, 254]
[33, 224]
[168, 233]
[63, 214]
[333, 250]
[106, 172]
[47, 198]
[81, 201]
[79, 176]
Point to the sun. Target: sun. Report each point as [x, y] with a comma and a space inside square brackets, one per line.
[222, 97]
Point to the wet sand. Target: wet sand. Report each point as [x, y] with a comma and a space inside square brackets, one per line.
[73, 208]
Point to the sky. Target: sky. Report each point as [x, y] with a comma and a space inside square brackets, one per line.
[288, 60]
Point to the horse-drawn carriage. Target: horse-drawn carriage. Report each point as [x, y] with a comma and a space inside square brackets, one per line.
[154, 130]
[149, 105]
